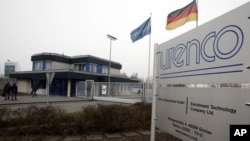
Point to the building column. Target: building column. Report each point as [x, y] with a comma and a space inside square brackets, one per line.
[69, 88]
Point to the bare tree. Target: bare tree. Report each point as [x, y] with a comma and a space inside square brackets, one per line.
[134, 76]
[124, 74]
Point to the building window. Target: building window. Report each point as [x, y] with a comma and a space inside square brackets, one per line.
[38, 65]
[105, 69]
[42, 65]
[48, 65]
[93, 68]
[80, 67]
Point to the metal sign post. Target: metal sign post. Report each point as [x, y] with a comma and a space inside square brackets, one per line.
[50, 77]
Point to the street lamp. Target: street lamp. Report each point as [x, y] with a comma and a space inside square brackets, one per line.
[112, 38]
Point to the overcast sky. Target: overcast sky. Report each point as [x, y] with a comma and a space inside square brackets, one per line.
[79, 27]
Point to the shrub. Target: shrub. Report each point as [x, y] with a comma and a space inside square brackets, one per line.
[51, 120]
[114, 118]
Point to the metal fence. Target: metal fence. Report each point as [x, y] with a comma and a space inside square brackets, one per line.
[133, 92]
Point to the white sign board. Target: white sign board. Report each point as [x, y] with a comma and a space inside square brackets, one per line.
[104, 89]
[202, 114]
[216, 52]
[50, 77]
[210, 56]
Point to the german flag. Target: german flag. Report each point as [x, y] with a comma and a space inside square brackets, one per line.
[181, 16]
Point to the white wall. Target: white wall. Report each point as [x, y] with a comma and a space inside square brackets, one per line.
[114, 71]
[59, 65]
[24, 85]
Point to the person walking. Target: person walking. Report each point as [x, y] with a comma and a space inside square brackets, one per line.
[14, 92]
[6, 90]
[34, 90]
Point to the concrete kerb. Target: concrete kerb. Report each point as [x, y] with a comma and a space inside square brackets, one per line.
[94, 137]
[113, 135]
[130, 134]
[73, 138]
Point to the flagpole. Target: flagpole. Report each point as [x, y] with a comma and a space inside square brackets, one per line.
[149, 48]
[153, 114]
[197, 13]
[154, 95]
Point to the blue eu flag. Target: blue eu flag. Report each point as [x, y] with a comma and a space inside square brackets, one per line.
[141, 31]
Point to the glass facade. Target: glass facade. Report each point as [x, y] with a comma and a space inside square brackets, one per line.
[93, 68]
[48, 65]
[105, 70]
[37, 65]
[59, 87]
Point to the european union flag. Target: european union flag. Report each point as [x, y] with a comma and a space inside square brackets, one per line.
[141, 31]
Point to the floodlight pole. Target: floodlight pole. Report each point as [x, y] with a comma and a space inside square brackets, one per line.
[112, 38]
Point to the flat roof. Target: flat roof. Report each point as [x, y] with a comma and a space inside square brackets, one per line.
[70, 74]
[74, 59]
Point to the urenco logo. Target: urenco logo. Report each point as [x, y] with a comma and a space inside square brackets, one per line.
[179, 56]
[216, 46]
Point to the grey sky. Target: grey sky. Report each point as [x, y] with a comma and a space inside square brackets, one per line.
[79, 27]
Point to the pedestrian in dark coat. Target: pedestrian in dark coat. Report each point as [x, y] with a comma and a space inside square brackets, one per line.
[14, 92]
[6, 90]
[34, 90]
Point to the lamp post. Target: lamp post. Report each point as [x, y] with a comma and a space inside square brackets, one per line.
[112, 38]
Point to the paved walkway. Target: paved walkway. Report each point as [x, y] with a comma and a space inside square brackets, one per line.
[69, 104]
[41, 99]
